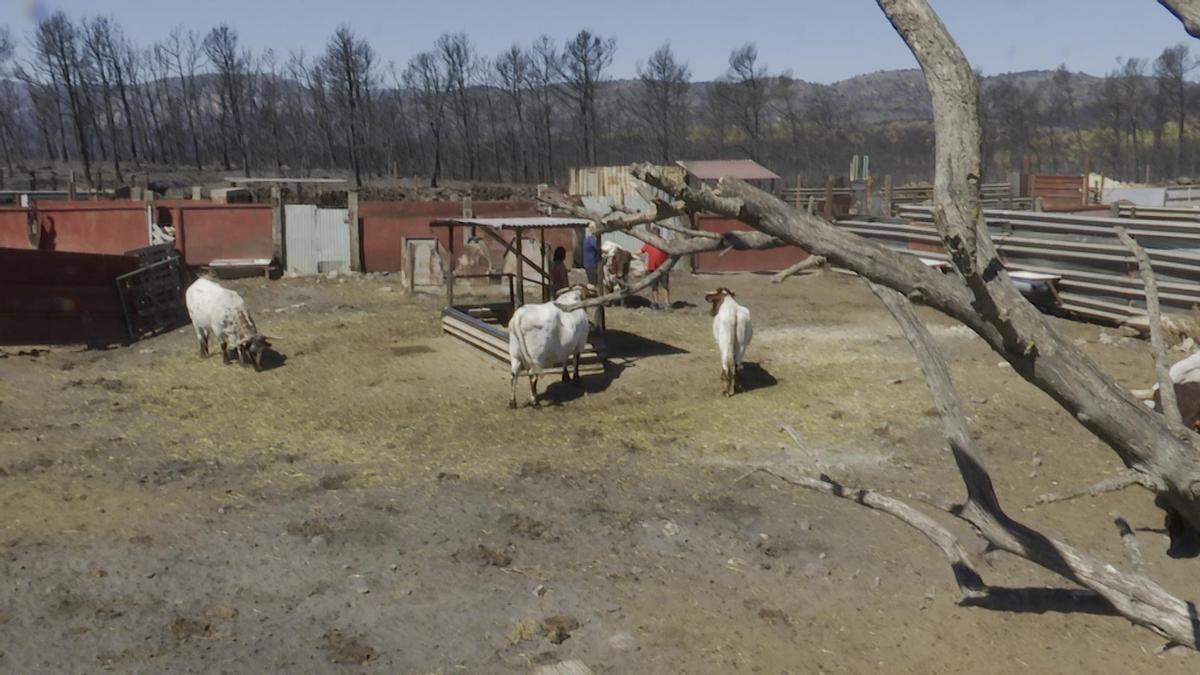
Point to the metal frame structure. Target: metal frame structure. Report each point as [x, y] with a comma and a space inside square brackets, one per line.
[481, 325]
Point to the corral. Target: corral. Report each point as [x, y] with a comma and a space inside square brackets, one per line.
[372, 502]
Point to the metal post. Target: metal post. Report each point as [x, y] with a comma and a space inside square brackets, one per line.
[546, 281]
[356, 263]
[829, 198]
[278, 246]
[448, 275]
[887, 189]
[520, 269]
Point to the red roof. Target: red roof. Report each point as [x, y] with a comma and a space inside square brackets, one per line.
[745, 169]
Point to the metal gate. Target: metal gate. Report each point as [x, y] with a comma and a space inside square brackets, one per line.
[318, 240]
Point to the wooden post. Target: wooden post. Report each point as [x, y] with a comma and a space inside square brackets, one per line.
[520, 268]
[278, 245]
[71, 187]
[1027, 175]
[887, 190]
[870, 182]
[829, 198]
[546, 281]
[448, 275]
[356, 263]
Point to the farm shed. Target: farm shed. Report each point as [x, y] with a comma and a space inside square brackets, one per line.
[482, 325]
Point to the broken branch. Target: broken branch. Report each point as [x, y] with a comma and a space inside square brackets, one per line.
[808, 263]
[1120, 481]
[1166, 388]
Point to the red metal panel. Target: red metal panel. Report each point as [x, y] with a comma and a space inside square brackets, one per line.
[768, 260]
[12, 228]
[1059, 193]
[110, 227]
[205, 232]
[51, 297]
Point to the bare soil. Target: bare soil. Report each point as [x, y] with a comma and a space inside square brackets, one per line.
[370, 504]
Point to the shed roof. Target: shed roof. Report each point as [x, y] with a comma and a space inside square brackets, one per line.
[745, 169]
[534, 222]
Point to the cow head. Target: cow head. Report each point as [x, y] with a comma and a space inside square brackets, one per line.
[717, 297]
[255, 346]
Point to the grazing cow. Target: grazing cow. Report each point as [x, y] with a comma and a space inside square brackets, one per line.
[544, 335]
[1186, 376]
[732, 331]
[218, 312]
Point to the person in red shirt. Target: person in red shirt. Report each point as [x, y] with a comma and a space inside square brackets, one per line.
[655, 257]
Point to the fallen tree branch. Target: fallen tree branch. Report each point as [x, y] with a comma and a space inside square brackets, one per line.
[970, 583]
[1188, 13]
[981, 296]
[1134, 596]
[808, 263]
[1158, 347]
[632, 289]
[1129, 539]
[693, 241]
[1120, 481]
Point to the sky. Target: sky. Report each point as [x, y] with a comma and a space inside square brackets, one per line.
[817, 40]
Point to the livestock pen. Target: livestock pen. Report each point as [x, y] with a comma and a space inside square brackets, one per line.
[481, 325]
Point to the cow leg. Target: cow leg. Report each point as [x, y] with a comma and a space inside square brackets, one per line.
[224, 351]
[565, 376]
[202, 336]
[512, 402]
[533, 395]
[576, 367]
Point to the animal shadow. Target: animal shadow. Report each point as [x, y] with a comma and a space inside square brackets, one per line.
[754, 376]
[558, 392]
[272, 359]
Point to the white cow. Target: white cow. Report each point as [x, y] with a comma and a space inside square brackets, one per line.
[1186, 376]
[732, 331]
[544, 335]
[218, 312]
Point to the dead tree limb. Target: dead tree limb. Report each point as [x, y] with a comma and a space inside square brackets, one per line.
[692, 241]
[1188, 13]
[981, 296]
[632, 289]
[1120, 481]
[1129, 539]
[808, 263]
[1134, 596]
[1158, 347]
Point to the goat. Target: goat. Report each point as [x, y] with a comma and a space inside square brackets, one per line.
[1186, 376]
[732, 331]
[218, 312]
[544, 335]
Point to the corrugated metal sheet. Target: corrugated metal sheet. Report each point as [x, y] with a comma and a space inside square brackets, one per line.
[535, 222]
[745, 169]
[318, 240]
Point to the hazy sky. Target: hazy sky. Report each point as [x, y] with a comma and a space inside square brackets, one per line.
[818, 40]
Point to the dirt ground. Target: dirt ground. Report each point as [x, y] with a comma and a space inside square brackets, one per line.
[372, 505]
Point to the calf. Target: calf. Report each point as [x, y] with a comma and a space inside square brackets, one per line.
[544, 335]
[218, 312]
[1186, 376]
[615, 266]
[732, 331]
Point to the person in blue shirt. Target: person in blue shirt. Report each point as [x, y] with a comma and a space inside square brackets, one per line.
[591, 258]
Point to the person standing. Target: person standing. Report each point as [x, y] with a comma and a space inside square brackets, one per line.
[558, 272]
[591, 258]
[655, 257]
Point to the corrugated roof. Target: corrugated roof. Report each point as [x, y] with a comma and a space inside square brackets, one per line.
[745, 169]
[535, 222]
